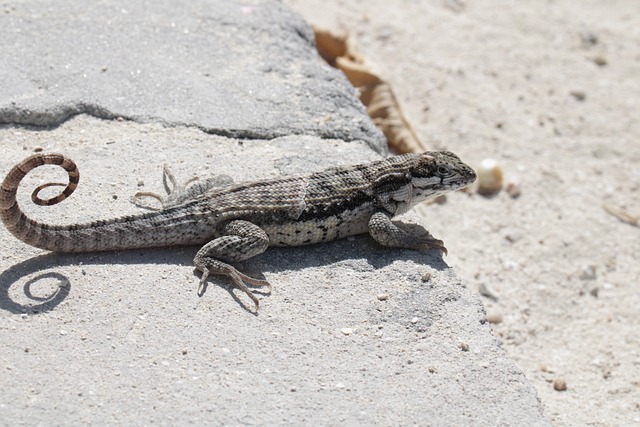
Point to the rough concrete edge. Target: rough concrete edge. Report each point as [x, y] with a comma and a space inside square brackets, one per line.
[60, 114]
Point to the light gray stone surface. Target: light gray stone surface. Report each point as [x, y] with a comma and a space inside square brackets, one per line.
[122, 338]
[240, 69]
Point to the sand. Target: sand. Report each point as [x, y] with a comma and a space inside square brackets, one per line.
[550, 90]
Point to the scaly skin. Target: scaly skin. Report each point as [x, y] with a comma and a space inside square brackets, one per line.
[237, 222]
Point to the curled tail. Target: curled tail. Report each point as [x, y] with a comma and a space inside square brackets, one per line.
[176, 225]
[12, 216]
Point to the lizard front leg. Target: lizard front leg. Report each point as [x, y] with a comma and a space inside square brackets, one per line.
[240, 241]
[399, 235]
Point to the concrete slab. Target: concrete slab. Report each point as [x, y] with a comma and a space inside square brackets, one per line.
[122, 338]
[353, 334]
[238, 69]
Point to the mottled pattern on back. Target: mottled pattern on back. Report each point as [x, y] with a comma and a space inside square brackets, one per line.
[238, 222]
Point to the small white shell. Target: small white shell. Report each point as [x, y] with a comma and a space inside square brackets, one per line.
[489, 177]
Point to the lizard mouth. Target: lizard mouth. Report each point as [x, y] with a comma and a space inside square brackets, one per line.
[439, 183]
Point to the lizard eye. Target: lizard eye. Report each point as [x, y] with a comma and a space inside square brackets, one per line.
[443, 170]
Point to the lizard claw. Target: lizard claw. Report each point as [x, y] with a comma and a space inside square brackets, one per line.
[202, 286]
[419, 238]
[436, 244]
[140, 194]
[428, 242]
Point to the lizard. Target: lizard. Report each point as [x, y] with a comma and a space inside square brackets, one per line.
[236, 222]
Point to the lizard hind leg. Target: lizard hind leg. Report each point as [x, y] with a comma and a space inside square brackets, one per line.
[240, 241]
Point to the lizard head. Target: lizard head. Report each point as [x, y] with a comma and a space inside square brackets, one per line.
[438, 172]
[425, 176]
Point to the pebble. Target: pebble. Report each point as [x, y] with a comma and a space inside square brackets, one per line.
[441, 199]
[513, 235]
[426, 276]
[346, 331]
[414, 320]
[579, 95]
[599, 60]
[423, 347]
[588, 273]
[485, 291]
[489, 177]
[513, 189]
[559, 384]
[463, 346]
[494, 317]
[456, 6]
[588, 38]
[383, 297]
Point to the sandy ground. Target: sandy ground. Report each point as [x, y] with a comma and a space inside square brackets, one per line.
[550, 89]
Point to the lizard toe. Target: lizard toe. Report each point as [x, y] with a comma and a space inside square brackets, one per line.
[202, 286]
[209, 266]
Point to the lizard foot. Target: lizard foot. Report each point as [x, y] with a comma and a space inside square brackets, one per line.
[429, 242]
[209, 266]
[178, 193]
[402, 235]
[418, 238]
[174, 191]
